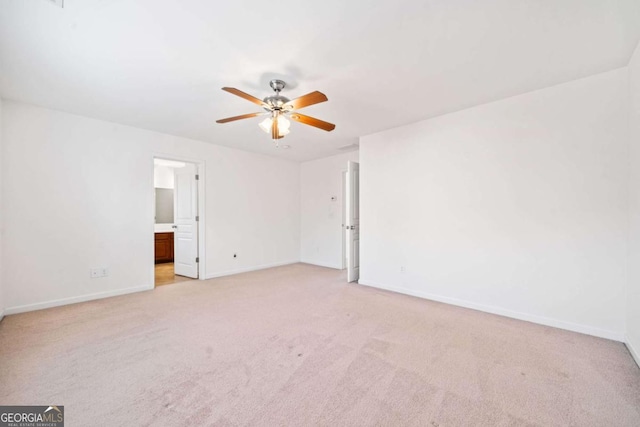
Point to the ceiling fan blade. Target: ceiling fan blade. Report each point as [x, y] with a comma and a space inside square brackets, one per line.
[306, 100]
[244, 116]
[244, 95]
[311, 121]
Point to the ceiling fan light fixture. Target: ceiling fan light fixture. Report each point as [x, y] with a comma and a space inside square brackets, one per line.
[283, 125]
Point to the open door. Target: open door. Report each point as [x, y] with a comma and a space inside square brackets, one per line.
[185, 206]
[353, 221]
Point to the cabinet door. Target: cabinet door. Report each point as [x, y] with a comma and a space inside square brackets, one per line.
[164, 247]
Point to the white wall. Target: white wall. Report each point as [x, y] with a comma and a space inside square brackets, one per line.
[78, 194]
[517, 207]
[163, 176]
[2, 297]
[633, 299]
[321, 218]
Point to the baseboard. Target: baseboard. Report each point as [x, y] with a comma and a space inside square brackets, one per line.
[248, 269]
[320, 264]
[634, 353]
[74, 300]
[574, 327]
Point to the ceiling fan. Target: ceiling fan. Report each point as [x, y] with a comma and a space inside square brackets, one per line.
[278, 108]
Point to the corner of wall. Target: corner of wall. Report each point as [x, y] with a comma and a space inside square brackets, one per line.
[2, 296]
[320, 213]
[632, 316]
[635, 353]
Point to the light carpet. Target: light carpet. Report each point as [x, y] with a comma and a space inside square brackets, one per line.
[297, 346]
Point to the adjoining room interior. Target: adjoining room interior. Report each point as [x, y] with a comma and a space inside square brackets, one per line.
[169, 226]
[394, 213]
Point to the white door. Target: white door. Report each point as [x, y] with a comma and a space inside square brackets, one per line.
[185, 208]
[344, 220]
[353, 221]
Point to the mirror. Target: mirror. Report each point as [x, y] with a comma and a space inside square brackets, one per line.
[164, 206]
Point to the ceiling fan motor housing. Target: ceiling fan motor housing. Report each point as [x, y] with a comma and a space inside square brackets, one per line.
[277, 101]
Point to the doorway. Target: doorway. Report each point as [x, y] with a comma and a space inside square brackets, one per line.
[177, 221]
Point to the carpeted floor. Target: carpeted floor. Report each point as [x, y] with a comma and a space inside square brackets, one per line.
[297, 346]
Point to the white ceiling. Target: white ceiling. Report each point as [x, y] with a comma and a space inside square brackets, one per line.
[159, 64]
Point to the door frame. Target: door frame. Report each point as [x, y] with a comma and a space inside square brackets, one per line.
[201, 171]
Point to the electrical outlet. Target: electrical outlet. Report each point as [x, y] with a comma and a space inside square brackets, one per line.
[96, 273]
[402, 269]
